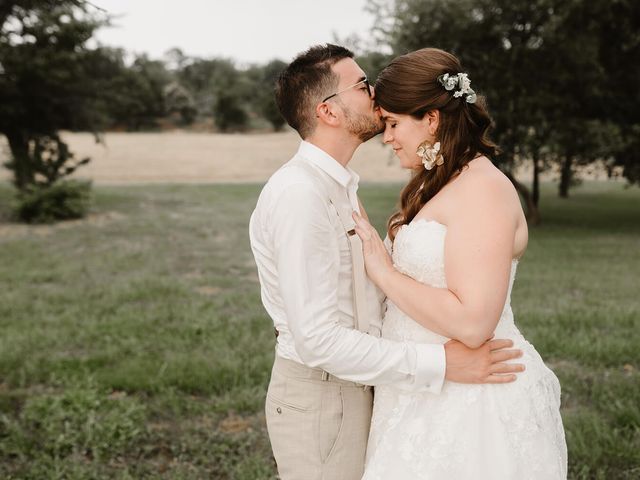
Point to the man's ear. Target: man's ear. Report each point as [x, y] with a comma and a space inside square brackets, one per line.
[431, 120]
[327, 113]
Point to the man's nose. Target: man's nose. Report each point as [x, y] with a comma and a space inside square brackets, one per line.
[373, 92]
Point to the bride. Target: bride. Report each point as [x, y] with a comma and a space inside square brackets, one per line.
[447, 269]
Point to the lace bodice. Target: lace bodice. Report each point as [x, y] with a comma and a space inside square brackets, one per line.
[418, 251]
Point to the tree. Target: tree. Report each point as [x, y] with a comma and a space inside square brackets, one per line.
[373, 63]
[228, 114]
[178, 100]
[49, 80]
[137, 93]
[497, 43]
[265, 84]
[619, 103]
[547, 68]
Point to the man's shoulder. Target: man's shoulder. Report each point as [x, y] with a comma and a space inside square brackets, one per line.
[294, 175]
[292, 191]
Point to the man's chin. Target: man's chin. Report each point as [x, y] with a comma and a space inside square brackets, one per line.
[367, 137]
[365, 127]
[373, 130]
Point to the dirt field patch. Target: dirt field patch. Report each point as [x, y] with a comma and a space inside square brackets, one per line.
[184, 157]
[191, 157]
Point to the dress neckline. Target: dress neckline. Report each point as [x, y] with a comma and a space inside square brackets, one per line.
[427, 221]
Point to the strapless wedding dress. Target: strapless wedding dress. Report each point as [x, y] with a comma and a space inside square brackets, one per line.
[481, 432]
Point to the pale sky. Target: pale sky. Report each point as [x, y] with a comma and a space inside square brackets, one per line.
[245, 30]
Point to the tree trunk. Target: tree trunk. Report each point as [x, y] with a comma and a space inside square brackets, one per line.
[532, 211]
[565, 176]
[20, 164]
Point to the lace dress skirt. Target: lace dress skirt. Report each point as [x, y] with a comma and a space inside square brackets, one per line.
[480, 432]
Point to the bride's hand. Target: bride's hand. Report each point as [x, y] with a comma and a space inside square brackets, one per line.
[376, 258]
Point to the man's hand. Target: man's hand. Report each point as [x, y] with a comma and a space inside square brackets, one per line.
[485, 364]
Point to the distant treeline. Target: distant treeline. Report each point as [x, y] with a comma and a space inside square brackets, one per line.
[181, 91]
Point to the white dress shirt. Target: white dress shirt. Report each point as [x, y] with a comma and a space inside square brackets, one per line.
[305, 272]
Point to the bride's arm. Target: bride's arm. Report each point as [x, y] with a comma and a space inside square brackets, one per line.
[478, 254]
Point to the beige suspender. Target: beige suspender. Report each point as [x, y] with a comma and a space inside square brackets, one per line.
[360, 314]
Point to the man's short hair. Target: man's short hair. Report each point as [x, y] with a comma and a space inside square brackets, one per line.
[305, 82]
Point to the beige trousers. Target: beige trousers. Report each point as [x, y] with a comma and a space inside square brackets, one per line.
[318, 424]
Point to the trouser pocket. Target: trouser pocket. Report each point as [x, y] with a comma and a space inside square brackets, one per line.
[331, 420]
[293, 431]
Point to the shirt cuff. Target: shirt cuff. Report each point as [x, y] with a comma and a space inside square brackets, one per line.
[431, 365]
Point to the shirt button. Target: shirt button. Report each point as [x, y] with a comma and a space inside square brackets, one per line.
[279, 410]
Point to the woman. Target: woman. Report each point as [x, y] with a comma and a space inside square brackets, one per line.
[455, 246]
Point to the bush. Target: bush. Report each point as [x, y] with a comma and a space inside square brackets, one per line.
[229, 114]
[62, 200]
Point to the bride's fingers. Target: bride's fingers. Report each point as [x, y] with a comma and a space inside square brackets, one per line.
[364, 235]
[364, 226]
[361, 221]
[506, 368]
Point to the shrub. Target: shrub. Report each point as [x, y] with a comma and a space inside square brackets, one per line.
[229, 114]
[63, 200]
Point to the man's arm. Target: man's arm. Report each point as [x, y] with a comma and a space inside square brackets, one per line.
[307, 260]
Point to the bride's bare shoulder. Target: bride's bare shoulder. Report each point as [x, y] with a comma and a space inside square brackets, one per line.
[481, 179]
[482, 173]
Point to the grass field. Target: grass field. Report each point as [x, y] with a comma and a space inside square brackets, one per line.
[134, 344]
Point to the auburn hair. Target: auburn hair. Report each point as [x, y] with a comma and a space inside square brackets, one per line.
[409, 85]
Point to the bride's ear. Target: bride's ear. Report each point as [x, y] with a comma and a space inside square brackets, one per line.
[431, 120]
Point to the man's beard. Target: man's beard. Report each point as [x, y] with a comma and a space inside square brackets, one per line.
[363, 126]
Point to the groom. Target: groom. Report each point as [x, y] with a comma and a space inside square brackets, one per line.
[326, 313]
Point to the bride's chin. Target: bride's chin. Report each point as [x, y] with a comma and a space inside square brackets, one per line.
[409, 165]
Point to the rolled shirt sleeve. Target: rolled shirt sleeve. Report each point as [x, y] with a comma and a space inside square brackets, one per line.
[307, 260]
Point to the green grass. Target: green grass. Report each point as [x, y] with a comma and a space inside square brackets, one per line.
[134, 344]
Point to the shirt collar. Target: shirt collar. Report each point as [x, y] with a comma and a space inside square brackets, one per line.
[329, 165]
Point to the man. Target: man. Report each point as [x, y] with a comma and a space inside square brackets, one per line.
[327, 315]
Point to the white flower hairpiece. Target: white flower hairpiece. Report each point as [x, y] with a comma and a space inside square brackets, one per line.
[462, 82]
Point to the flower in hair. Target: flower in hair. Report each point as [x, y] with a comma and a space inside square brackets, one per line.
[449, 82]
[461, 82]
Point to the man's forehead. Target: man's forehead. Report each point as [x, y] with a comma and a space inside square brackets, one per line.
[348, 70]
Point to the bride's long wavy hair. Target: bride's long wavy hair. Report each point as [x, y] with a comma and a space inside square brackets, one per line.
[409, 85]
